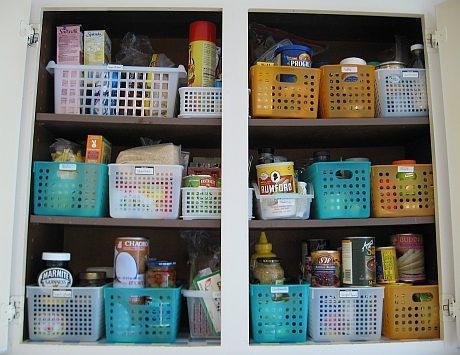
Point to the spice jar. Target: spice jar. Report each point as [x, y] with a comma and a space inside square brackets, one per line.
[269, 271]
[91, 279]
[57, 273]
[161, 274]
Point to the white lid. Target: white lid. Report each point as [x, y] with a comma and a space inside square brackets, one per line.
[354, 61]
[47, 256]
[416, 46]
[107, 269]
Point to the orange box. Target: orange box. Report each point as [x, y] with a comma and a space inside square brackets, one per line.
[98, 150]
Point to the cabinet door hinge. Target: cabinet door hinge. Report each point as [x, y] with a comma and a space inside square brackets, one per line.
[30, 32]
[434, 38]
[11, 310]
[450, 308]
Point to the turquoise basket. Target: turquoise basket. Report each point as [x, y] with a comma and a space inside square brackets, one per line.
[279, 313]
[142, 315]
[70, 189]
[342, 189]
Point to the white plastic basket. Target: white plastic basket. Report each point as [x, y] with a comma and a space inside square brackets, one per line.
[200, 326]
[115, 89]
[352, 313]
[200, 102]
[400, 92]
[144, 191]
[69, 314]
[284, 206]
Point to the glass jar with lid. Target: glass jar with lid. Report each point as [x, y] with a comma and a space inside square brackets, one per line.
[56, 273]
[91, 279]
[268, 271]
[161, 274]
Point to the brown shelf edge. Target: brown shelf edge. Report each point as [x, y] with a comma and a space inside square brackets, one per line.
[339, 223]
[331, 122]
[126, 222]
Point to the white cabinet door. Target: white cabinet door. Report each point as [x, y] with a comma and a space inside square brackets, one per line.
[14, 16]
[448, 33]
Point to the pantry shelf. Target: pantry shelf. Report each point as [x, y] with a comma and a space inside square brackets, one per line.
[123, 130]
[339, 223]
[341, 132]
[126, 222]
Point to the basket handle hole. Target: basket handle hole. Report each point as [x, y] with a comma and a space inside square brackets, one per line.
[422, 297]
[286, 78]
[344, 174]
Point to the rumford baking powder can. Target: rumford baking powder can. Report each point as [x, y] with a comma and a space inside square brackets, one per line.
[130, 262]
[387, 265]
[358, 260]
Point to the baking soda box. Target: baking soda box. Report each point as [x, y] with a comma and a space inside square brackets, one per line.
[69, 44]
[98, 47]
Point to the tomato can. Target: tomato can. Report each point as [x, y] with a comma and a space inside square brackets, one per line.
[130, 259]
[387, 265]
[358, 257]
[411, 258]
[325, 268]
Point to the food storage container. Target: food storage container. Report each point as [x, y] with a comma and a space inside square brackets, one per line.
[70, 189]
[200, 102]
[279, 313]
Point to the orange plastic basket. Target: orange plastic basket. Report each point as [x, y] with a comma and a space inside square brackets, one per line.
[411, 312]
[273, 98]
[341, 97]
[394, 194]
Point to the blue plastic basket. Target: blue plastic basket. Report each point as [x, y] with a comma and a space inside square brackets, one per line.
[279, 313]
[142, 315]
[342, 189]
[70, 189]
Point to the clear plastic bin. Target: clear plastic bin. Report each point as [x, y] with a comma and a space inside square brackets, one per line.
[200, 102]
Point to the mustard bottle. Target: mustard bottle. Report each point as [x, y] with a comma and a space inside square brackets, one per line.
[263, 249]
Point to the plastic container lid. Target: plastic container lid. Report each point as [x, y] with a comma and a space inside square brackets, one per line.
[404, 162]
[416, 46]
[354, 61]
[294, 47]
[202, 31]
[357, 159]
[283, 163]
[107, 269]
[48, 256]
[160, 263]
[89, 275]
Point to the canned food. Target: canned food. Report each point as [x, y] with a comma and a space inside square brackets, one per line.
[411, 258]
[199, 181]
[325, 268]
[387, 265]
[358, 258]
[316, 244]
[276, 178]
[307, 248]
[129, 262]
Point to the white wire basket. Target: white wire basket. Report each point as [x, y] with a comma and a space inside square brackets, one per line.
[115, 89]
[200, 102]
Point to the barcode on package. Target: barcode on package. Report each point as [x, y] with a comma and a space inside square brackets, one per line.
[144, 170]
[348, 294]
[68, 167]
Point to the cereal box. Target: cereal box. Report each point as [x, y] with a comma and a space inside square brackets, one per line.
[97, 48]
[69, 45]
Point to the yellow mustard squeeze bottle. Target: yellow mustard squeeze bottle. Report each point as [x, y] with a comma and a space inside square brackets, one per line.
[202, 54]
[263, 250]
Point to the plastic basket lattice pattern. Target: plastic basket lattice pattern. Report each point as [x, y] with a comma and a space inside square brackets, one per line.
[279, 313]
[70, 189]
[144, 191]
[347, 91]
[149, 315]
[274, 97]
[201, 202]
[402, 191]
[200, 326]
[342, 189]
[200, 102]
[345, 313]
[72, 314]
[115, 90]
[401, 92]
[411, 312]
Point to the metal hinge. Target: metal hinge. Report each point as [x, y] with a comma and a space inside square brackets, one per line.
[434, 38]
[11, 310]
[30, 32]
[450, 308]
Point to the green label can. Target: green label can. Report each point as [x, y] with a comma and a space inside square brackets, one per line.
[358, 260]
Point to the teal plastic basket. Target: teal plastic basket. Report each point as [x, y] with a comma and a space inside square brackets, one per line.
[70, 189]
[142, 315]
[342, 189]
[279, 313]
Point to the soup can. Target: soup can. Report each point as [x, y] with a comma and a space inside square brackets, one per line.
[316, 244]
[411, 257]
[358, 258]
[325, 268]
[130, 262]
[387, 265]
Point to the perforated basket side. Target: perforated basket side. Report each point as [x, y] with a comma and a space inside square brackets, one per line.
[74, 314]
[201, 202]
[200, 102]
[200, 326]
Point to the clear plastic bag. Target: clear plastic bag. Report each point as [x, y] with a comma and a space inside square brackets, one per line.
[162, 154]
[136, 50]
[64, 150]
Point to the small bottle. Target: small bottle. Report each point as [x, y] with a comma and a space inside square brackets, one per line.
[263, 250]
[417, 56]
[56, 273]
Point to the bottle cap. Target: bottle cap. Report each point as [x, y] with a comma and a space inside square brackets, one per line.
[416, 46]
[263, 246]
[202, 31]
[48, 256]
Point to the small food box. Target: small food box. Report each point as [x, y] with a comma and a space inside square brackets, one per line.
[98, 150]
[98, 48]
[69, 46]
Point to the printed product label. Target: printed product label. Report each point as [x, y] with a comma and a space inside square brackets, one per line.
[369, 249]
[275, 183]
[55, 278]
[202, 63]
[143, 170]
[347, 262]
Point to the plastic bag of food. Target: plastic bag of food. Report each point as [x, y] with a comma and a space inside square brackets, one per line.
[66, 151]
[135, 50]
[161, 154]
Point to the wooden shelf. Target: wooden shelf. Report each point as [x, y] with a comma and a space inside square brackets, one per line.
[126, 222]
[341, 132]
[339, 223]
[126, 130]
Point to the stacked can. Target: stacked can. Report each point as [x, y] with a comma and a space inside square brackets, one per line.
[308, 247]
[358, 258]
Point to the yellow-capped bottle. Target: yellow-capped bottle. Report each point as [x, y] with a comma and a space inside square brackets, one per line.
[263, 249]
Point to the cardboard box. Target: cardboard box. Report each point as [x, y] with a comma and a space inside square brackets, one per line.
[97, 48]
[69, 44]
[98, 150]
